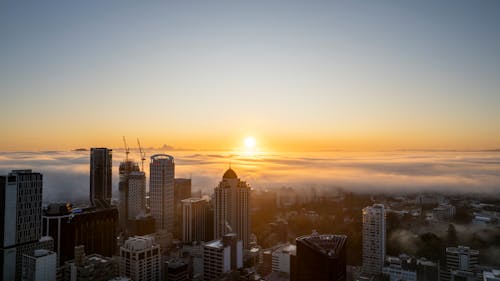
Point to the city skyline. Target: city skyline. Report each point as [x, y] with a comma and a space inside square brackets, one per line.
[298, 77]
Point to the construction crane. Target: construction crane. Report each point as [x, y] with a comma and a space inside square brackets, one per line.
[127, 150]
[143, 155]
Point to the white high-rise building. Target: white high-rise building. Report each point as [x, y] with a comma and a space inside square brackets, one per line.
[221, 256]
[161, 190]
[232, 207]
[136, 194]
[194, 219]
[41, 265]
[374, 232]
[459, 260]
[140, 259]
[21, 217]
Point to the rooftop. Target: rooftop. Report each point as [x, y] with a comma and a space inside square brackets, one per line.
[327, 244]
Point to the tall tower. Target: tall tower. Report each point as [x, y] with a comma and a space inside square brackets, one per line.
[125, 169]
[373, 239]
[101, 164]
[161, 190]
[20, 220]
[232, 207]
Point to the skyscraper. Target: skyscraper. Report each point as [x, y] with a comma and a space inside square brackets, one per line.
[136, 195]
[232, 207]
[125, 169]
[20, 220]
[161, 190]
[194, 219]
[373, 239]
[100, 177]
[321, 257]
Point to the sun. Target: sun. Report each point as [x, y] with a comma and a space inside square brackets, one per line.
[250, 142]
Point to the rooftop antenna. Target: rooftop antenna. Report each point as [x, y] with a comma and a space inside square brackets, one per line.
[127, 150]
[143, 155]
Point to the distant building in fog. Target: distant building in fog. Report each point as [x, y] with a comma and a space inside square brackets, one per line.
[161, 191]
[444, 212]
[232, 207]
[41, 265]
[374, 232]
[194, 219]
[101, 164]
[320, 257]
[20, 220]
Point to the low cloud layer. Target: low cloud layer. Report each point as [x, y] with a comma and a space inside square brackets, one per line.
[66, 173]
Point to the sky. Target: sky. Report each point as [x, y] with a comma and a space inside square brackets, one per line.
[296, 75]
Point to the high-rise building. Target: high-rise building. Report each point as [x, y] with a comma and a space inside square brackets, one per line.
[459, 261]
[136, 195]
[101, 164]
[194, 219]
[410, 268]
[182, 190]
[20, 220]
[222, 256]
[125, 169]
[374, 232]
[41, 265]
[95, 228]
[280, 257]
[232, 207]
[161, 191]
[140, 259]
[321, 257]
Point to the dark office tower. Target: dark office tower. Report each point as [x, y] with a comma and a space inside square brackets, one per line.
[95, 228]
[125, 169]
[100, 177]
[194, 220]
[182, 190]
[321, 257]
[20, 220]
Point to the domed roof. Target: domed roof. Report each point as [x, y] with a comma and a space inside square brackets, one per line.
[229, 174]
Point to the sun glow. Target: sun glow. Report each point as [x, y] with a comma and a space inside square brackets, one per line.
[250, 142]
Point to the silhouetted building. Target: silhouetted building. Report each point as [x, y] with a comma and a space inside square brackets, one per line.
[222, 256]
[176, 270]
[101, 164]
[194, 219]
[20, 220]
[161, 191]
[182, 190]
[93, 227]
[232, 207]
[321, 257]
[142, 225]
[373, 239]
[93, 267]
